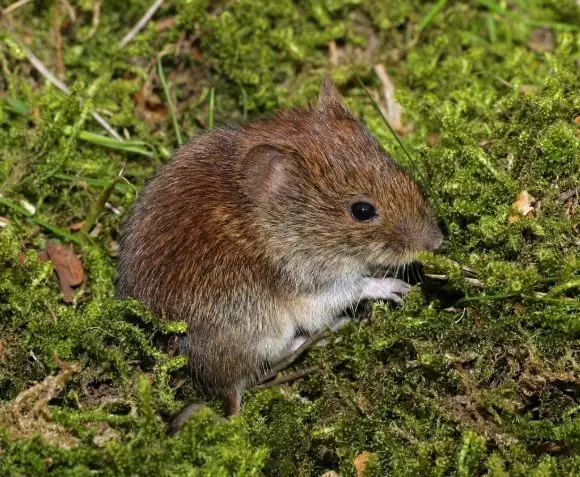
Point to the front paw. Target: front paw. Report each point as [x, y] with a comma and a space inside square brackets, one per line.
[385, 289]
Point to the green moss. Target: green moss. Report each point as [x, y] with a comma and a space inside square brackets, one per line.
[479, 378]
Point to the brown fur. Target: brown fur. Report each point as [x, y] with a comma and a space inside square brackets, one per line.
[246, 225]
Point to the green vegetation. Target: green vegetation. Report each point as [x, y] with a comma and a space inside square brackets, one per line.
[480, 378]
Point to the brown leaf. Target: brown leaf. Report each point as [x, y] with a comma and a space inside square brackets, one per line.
[196, 53]
[29, 414]
[76, 226]
[68, 267]
[165, 24]
[542, 40]
[360, 463]
[149, 106]
[394, 111]
[332, 53]
[528, 89]
[433, 139]
[523, 206]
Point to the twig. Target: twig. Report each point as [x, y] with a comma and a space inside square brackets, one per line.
[141, 23]
[70, 10]
[309, 343]
[473, 281]
[10, 8]
[289, 377]
[96, 20]
[43, 70]
[540, 297]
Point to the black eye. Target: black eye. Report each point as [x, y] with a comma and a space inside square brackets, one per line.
[363, 211]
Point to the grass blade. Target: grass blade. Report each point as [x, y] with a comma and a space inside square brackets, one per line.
[169, 101]
[496, 8]
[63, 234]
[411, 162]
[119, 186]
[211, 108]
[137, 147]
[432, 13]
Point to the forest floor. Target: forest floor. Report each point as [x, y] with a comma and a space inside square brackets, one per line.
[478, 373]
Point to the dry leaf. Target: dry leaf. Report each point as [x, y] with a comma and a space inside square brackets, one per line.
[113, 248]
[68, 267]
[76, 226]
[330, 473]
[523, 205]
[394, 110]
[149, 106]
[541, 40]
[528, 89]
[104, 434]
[165, 24]
[433, 139]
[29, 414]
[360, 463]
[332, 53]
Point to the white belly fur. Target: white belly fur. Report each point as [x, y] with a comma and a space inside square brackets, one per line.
[310, 313]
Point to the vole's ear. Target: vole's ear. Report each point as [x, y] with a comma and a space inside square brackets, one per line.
[329, 95]
[263, 170]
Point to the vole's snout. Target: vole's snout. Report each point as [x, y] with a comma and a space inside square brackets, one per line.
[432, 237]
[417, 236]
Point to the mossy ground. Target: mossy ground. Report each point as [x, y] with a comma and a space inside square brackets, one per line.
[480, 378]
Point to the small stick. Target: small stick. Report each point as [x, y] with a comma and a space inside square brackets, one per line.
[309, 343]
[70, 10]
[43, 70]
[96, 19]
[141, 23]
[289, 377]
[10, 8]
[473, 281]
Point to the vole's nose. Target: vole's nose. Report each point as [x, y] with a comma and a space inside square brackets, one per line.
[432, 238]
[418, 235]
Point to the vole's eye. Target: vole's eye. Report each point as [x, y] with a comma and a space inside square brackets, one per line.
[363, 211]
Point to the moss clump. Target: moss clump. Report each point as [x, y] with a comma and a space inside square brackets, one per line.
[480, 377]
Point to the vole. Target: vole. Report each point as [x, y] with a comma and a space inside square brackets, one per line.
[260, 234]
